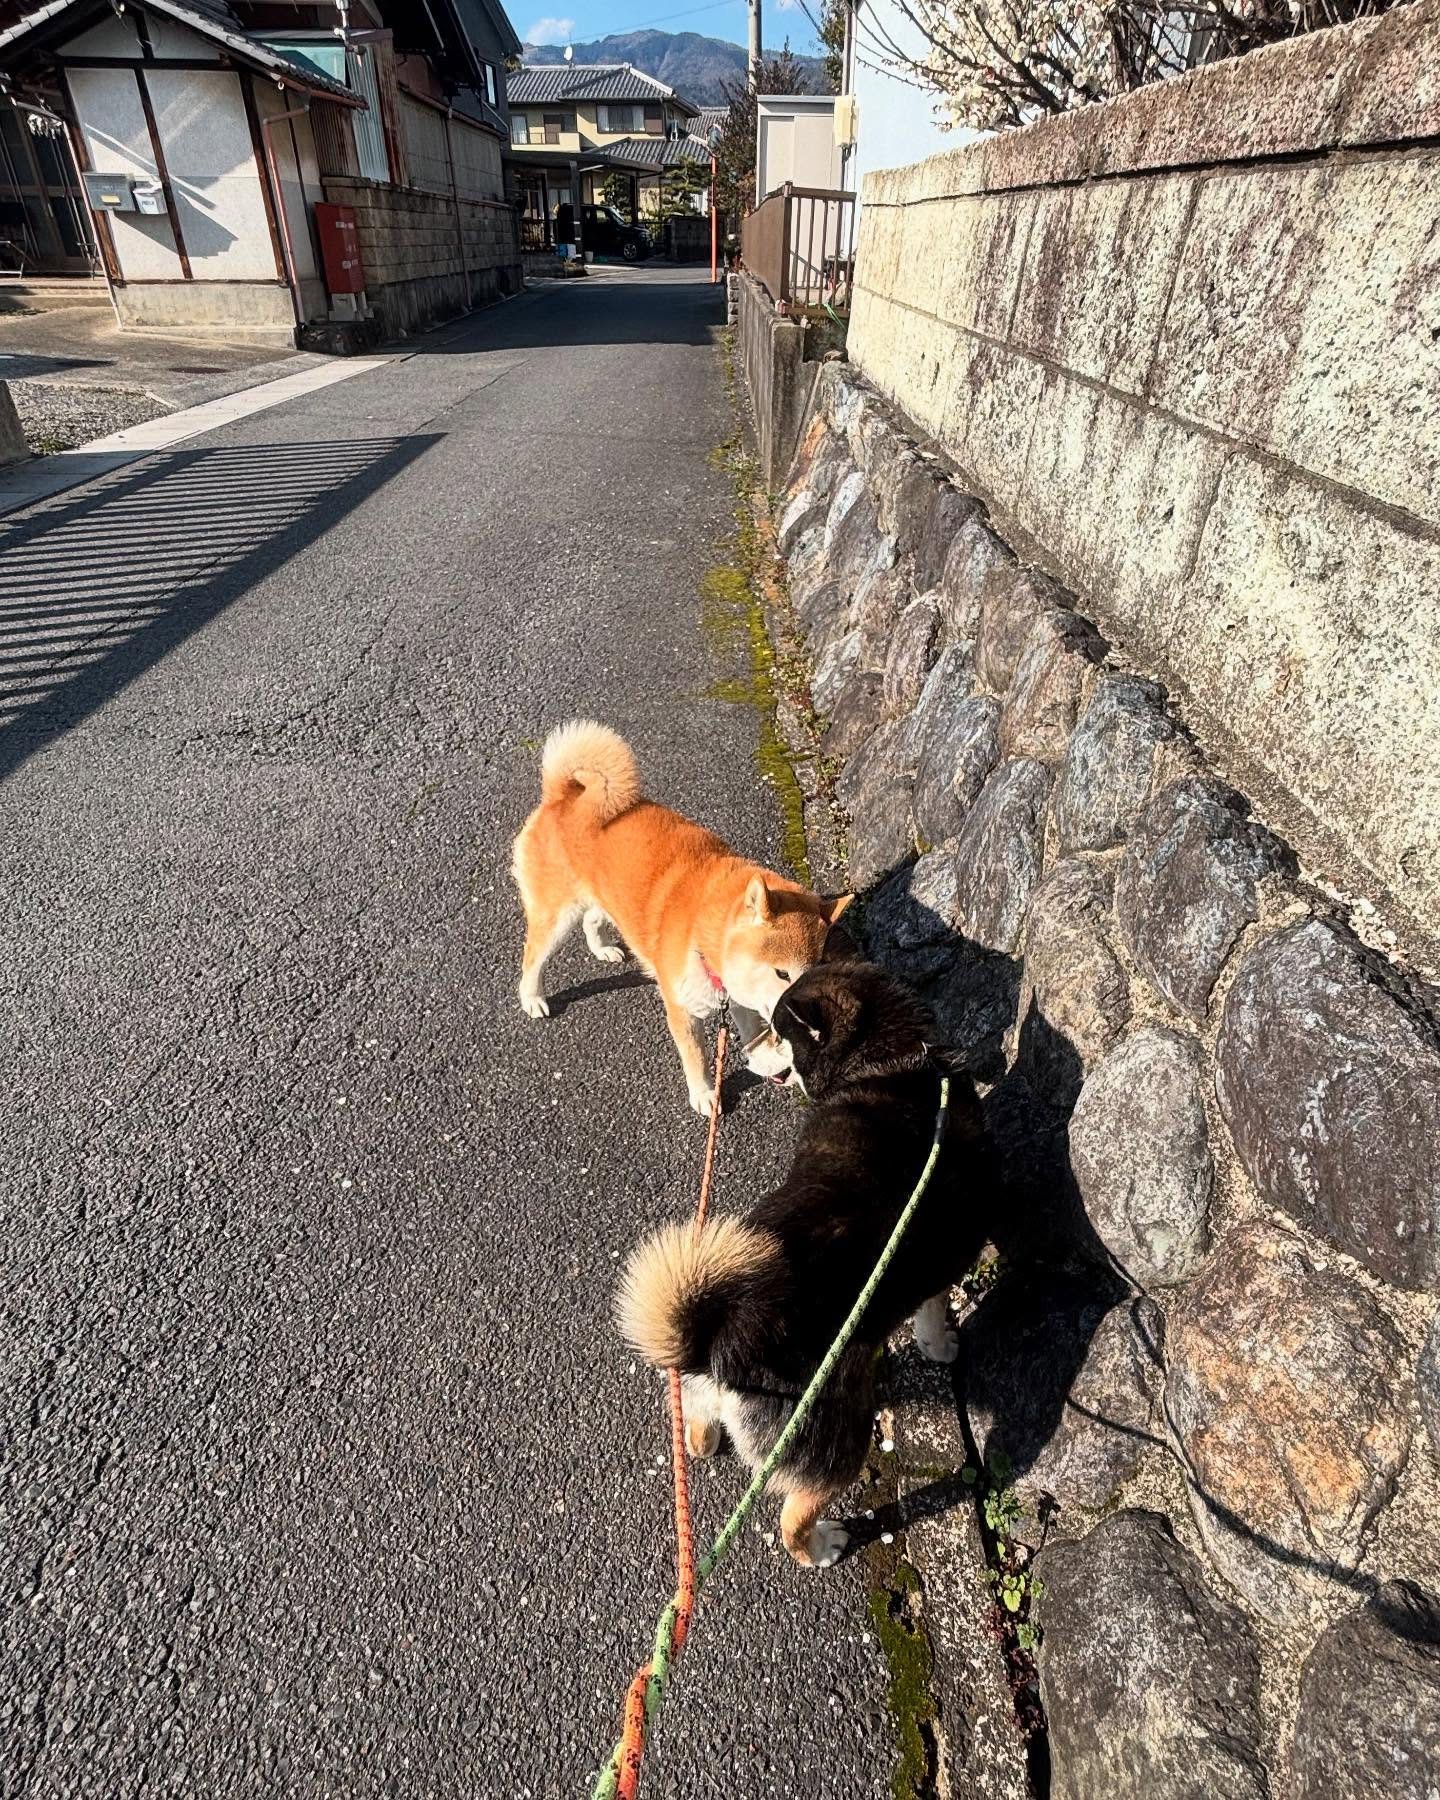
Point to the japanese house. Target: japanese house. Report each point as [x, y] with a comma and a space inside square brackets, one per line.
[575, 126]
[211, 142]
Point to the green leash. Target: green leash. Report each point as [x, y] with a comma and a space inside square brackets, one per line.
[662, 1654]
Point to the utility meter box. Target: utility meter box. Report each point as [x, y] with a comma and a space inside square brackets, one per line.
[339, 248]
[149, 197]
[847, 121]
[110, 193]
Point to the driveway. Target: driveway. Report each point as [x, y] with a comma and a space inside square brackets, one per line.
[74, 375]
[323, 1470]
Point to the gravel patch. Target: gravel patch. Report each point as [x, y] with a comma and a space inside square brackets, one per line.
[56, 417]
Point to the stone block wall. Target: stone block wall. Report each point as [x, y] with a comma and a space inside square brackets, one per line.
[411, 249]
[1188, 345]
[1212, 1358]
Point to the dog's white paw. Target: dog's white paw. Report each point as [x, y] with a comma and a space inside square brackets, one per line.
[935, 1337]
[938, 1344]
[608, 953]
[535, 1006]
[826, 1542]
[702, 1099]
[702, 1436]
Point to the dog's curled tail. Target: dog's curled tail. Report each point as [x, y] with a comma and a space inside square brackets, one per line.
[682, 1287]
[595, 759]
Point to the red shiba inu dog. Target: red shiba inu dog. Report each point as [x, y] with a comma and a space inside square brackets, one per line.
[703, 921]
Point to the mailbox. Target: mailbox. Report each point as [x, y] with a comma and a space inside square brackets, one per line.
[339, 248]
[110, 193]
[121, 193]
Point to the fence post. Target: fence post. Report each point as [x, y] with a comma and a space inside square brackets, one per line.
[785, 222]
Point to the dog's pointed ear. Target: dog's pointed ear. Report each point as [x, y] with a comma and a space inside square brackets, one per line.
[839, 945]
[757, 900]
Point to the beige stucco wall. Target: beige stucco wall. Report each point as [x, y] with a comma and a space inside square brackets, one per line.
[1188, 344]
[117, 142]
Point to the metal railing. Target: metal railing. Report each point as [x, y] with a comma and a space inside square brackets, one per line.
[800, 242]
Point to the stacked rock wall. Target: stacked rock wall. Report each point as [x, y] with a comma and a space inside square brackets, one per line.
[1212, 1360]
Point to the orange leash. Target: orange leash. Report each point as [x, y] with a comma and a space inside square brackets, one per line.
[632, 1737]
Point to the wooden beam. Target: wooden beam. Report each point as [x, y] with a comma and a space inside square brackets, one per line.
[163, 171]
[99, 220]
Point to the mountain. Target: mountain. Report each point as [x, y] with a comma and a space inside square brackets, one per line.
[693, 65]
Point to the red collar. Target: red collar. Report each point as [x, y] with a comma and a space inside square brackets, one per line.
[712, 977]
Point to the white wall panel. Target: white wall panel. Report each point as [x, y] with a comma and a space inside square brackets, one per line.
[211, 159]
[117, 142]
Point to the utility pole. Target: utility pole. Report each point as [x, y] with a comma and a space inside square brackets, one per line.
[754, 45]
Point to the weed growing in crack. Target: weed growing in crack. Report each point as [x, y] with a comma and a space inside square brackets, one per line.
[1013, 1584]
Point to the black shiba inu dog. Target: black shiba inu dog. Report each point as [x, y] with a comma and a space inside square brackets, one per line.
[746, 1308]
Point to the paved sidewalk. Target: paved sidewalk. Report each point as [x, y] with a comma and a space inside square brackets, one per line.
[323, 1472]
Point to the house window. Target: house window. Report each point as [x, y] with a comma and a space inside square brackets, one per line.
[555, 123]
[654, 121]
[519, 129]
[369, 132]
[622, 118]
[490, 89]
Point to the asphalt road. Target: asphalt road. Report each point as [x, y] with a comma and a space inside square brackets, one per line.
[322, 1470]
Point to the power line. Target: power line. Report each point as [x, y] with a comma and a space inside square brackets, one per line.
[811, 17]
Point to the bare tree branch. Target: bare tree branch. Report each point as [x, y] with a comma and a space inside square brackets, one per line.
[1006, 62]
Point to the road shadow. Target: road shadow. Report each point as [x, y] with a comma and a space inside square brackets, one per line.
[581, 991]
[739, 1080]
[96, 588]
[683, 310]
[23, 365]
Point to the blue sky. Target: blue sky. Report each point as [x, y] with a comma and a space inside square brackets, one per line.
[586, 19]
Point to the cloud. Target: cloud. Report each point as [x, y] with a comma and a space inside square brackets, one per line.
[551, 31]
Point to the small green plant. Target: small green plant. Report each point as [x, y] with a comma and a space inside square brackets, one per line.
[1002, 1510]
[1013, 1587]
[1007, 1571]
[982, 1275]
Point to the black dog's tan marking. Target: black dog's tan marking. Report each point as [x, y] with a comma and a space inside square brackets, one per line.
[747, 1308]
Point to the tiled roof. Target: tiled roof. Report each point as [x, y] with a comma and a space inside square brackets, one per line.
[710, 118]
[211, 18]
[587, 81]
[651, 152]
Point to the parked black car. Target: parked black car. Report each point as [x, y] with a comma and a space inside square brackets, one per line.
[607, 234]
